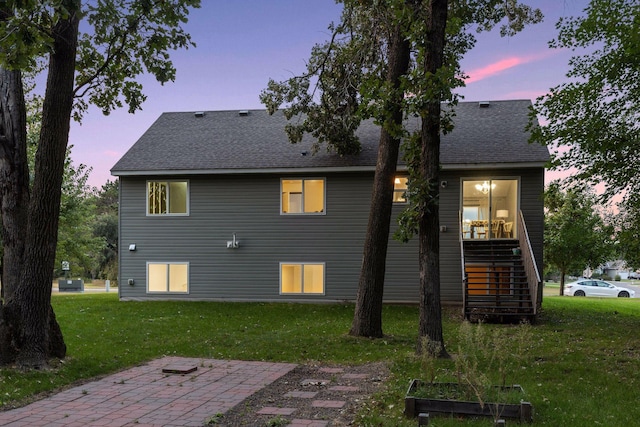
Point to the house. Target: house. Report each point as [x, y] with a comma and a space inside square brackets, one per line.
[218, 205]
[611, 269]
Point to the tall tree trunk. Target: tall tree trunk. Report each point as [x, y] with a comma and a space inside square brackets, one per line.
[37, 335]
[14, 195]
[429, 221]
[14, 192]
[367, 319]
[14, 176]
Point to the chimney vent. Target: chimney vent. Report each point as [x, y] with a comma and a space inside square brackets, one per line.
[484, 104]
[199, 114]
[243, 112]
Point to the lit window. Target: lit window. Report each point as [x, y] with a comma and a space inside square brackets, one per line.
[400, 189]
[163, 277]
[301, 278]
[302, 196]
[167, 197]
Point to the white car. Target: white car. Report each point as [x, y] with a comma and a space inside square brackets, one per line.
[596, 288]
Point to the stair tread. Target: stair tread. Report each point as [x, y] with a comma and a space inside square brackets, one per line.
[494, 268]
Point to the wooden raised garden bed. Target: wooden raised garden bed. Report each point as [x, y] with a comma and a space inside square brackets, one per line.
[414, 405]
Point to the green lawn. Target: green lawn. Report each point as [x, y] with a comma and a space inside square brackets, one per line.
[580, 365]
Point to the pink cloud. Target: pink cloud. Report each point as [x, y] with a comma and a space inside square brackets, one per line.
[111, 153]
[504, 64]
[493, 69]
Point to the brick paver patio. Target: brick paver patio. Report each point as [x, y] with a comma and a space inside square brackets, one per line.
[146, 396]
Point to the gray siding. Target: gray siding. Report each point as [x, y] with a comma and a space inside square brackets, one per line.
[249, 205]
[450, 259]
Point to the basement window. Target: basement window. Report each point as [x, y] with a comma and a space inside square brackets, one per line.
[168, 277]
[301, 278]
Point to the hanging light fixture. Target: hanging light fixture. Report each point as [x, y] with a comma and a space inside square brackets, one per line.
[484, 187]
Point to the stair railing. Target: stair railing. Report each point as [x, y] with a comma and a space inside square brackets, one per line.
[465, 282]
[529, 261]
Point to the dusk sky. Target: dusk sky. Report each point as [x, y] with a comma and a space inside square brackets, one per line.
[241, 44]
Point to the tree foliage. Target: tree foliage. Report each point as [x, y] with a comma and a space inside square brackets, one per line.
[105, 227]
[345, 78]
[593, 119]
[575, 237]
[627, 226]
[123, 40]
[76, 240]
[343, 83]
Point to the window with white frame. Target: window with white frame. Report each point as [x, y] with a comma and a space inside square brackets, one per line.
[400, 189]
[301, 278]
[167, 197]
[168, 277]
[302, 196]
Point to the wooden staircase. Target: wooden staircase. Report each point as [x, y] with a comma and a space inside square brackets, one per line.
[495, 282]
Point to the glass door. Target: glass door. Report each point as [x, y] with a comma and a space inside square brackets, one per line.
[489, 208]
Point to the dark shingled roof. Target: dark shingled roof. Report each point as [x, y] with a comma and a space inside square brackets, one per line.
[228, 142]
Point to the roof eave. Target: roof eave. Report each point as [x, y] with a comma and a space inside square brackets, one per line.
[315, 170]
[506, 165]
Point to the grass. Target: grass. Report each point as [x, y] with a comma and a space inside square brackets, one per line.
[581, 366]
